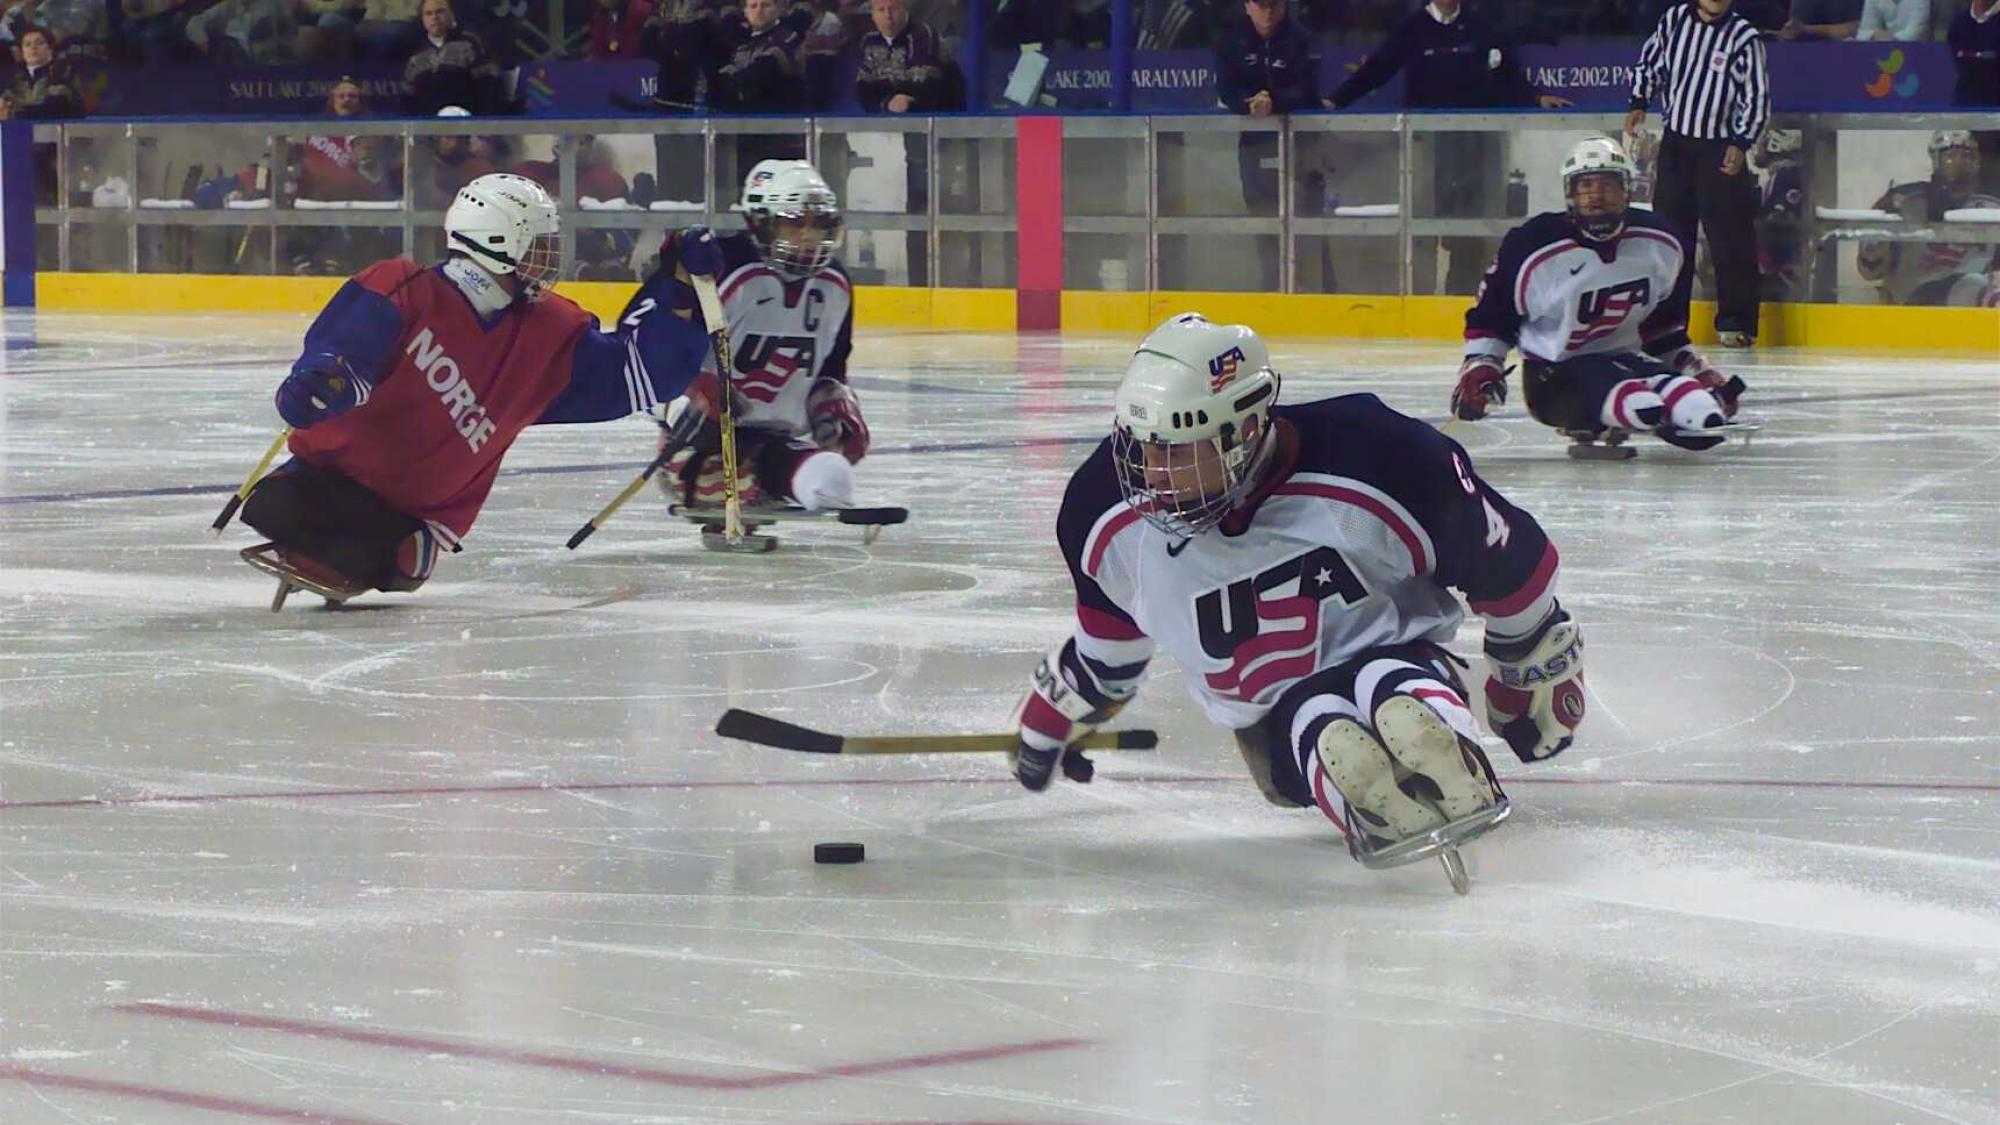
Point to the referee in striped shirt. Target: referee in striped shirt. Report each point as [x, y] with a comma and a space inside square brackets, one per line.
[1706, 63]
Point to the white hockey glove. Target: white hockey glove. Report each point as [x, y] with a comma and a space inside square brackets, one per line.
[1064, 704]
[1534, 693]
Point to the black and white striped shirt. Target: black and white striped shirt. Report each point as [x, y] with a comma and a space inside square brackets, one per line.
[1710, 76]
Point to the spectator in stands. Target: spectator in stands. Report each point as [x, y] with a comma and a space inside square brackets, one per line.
[259, 32]
[389, 29]
[1265, 67]
[904, 68]
[326, 29]
[1974, 39]
[42, 88]
[1453, 57]
[79, 28]
[1822, 19]
[616, 29]
[1899, 20]
[335, 167]
[761, 70]
[343, 167]
[453, 162]
[680, 38]
[452, 68]
[152, 31]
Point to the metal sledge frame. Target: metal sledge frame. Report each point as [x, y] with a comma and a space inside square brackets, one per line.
[289, 579]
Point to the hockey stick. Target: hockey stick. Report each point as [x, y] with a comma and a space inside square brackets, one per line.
[667, 450]
[249, 482]
[749, 726]
[725, 414]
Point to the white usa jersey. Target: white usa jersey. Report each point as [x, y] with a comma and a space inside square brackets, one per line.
[1556, 294]
[1368, 518]
[784, 334]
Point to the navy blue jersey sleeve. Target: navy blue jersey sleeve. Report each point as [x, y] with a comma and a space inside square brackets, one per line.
[359, 327]
[835, 365]
[1665, 330]
[1382, 64]
[1493, 323]
[1479, 544]
[1488, 549]
[1092, 493]
[655, 352]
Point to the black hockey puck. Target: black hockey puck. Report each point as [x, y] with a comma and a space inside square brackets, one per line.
[837, 853]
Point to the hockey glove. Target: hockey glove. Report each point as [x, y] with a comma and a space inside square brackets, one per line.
[1064, 704]
[836, 420]
[1482, 385]
[1534, 692]
[321, 386]
[695, 249]
[1727, 390]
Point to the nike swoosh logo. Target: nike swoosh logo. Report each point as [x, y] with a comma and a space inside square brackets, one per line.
[768, 300]
[1174, 552]
[1572, 273]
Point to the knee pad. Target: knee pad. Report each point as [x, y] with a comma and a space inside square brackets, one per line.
[1632, 405]
[415, 557]
[1689, 405]
[823, 480]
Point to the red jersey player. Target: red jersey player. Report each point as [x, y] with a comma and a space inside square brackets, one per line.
[414, 381]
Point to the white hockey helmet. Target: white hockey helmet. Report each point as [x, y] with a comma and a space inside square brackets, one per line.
[1598, 155]
[793, 215]
[1193, 416]
[508, 224]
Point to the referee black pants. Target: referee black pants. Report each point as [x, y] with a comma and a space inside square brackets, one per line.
[1689, 187]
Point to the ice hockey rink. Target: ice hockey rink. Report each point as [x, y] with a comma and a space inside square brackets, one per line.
[474, 856]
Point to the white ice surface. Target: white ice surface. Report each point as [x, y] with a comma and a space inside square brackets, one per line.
[503, 873]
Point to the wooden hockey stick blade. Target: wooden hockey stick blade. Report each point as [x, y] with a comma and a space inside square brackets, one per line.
[749, 726]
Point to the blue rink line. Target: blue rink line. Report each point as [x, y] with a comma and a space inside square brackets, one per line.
[540, 471]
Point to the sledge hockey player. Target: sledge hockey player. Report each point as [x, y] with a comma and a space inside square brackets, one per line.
[1298, 563]
[1596, 297]
[790, 308]
[1937, 273]
[414, 381]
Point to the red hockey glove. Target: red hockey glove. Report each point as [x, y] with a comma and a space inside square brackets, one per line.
[836, 420]
[1481, 385]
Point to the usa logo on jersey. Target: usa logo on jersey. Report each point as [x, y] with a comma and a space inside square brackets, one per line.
[1222, 369]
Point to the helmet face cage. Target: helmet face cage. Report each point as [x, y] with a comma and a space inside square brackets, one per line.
[798, 255]
[1191, 485]
[1597, 226]
[540, 266]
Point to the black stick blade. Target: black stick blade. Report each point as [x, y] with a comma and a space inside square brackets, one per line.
[873, 517]
[228, 512]
[1138, 739]
[582, 533]
[764, 730]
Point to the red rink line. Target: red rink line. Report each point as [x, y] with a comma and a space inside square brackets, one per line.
[233, 1106]
[855, 782]
[577, 1064]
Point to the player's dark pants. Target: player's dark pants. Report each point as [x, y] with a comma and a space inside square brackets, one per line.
[1288, 738]
[1570, 395]
[1691, 187]
[331, 519]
